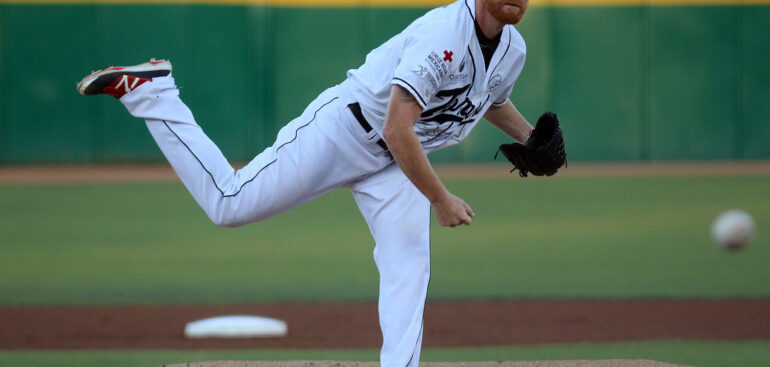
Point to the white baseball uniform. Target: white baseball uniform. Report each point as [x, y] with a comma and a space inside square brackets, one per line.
[336, 142]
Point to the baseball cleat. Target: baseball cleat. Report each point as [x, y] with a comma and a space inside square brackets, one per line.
[119, 80]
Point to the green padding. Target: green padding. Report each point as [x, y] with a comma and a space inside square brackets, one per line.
[311, 53]
[598, 84]
[755, 79]
[225, 64]
[3, 70]
[629, 83]
[44, 118]
[693, 65]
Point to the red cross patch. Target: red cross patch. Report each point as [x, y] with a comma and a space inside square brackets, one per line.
[448, 55]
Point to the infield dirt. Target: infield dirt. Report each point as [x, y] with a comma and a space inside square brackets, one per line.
[578, 363]
[355, 325]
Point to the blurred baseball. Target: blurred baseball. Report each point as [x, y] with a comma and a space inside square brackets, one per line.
[733, 229]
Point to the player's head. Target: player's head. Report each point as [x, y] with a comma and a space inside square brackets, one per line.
[507, 11]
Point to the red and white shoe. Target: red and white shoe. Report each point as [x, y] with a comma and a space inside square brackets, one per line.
[119, 80]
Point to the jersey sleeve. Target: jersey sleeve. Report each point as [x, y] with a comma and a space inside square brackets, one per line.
[428, 54]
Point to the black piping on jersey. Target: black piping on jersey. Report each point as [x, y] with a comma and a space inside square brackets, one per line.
[469, 10]
[473, 62]
[414, 90]
[510, 38]
[486, 100]
[498, 104]
[488, 46]
[296, 132]
[422, 324]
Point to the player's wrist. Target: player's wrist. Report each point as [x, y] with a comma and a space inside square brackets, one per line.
[524, 135]
[441, 196]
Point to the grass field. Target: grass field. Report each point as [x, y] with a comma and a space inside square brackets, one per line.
[533, 238]
[611, 237]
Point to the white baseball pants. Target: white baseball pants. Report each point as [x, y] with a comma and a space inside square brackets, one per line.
[323, 149]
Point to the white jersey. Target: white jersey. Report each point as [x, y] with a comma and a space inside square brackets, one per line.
[439, 60]
[329, 146]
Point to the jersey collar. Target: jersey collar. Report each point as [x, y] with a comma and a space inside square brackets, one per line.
[503, 50]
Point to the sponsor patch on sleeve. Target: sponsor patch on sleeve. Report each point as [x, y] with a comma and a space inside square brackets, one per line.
[433, 69]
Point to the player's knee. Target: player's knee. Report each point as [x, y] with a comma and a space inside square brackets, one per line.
[230, 222]
[411, 252]
[227, 223]
[225, 219]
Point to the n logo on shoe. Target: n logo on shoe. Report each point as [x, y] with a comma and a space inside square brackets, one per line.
[124, 82]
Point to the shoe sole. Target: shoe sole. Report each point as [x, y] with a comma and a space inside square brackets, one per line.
[97, 81]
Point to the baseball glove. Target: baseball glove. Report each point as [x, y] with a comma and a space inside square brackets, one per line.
[543, 154]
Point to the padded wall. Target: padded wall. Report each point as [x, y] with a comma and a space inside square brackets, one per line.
[629, 82]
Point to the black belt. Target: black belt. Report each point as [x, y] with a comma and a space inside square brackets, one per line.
[356, 109]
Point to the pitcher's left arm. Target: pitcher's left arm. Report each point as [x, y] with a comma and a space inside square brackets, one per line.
[508, 119]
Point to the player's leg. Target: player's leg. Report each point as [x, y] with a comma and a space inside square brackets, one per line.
[399, 219]
[313, 154]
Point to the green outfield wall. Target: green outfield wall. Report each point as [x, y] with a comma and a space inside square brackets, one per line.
[630, 82]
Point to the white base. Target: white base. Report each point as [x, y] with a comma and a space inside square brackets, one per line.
[235, 326]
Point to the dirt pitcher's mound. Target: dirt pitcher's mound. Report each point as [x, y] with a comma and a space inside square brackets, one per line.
[603, 363]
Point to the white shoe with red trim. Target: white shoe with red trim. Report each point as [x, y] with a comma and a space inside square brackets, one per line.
[119, 80]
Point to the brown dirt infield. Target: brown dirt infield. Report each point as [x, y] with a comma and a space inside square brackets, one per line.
[355, 325]
[578, 363]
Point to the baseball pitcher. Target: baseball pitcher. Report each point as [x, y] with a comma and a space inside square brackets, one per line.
[422, 90]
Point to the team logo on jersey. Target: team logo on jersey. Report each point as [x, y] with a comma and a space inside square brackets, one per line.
[495, 82]
[448, 120]
[453, 110]
[462, 66]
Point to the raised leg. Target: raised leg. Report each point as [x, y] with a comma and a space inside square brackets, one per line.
[312, 155]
